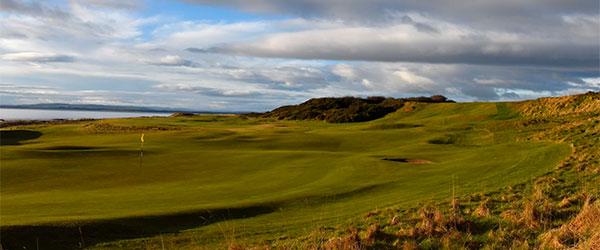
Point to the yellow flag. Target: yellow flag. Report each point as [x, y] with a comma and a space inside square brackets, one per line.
[142, 139]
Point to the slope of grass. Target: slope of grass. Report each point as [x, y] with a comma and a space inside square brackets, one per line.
[207, 179]
[558, 210]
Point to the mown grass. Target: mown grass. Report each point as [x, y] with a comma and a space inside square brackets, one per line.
[264, 180]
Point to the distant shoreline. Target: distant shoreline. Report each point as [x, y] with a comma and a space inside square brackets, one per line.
[31, 114]
[98, 110]
[101, 108]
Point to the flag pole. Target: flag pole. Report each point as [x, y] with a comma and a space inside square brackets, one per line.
[141, 149]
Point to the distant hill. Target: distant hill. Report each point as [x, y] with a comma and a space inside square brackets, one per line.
[96, 107]
[345, 109]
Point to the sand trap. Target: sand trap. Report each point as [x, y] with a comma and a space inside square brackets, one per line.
[416, 161]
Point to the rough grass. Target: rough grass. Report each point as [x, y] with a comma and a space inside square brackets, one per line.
[314, 178]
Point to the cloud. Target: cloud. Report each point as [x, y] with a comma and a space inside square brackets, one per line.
[283, 75]
[247, 92]
[169, 61]
[55, 9]
[531, 32]
[489, 13]
[29, 92]
[48, 26]
[15, 86]
[491, 82]
[461, 82]
[423, 27]
[33, 8]
[395, 79]
[112, 4]
[406, 43]
[511, 96]
[199, 33]
[592, 81]
[37, 57]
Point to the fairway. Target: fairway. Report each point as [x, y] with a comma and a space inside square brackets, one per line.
[287, 175]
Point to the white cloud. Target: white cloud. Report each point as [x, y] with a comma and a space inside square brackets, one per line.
[170, 60]
[37, 57]
[592, 81]
[412, 78]
[492, 82]
[367, 83]
[112, 4]
[185, 34]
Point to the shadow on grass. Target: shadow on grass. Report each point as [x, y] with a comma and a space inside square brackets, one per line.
[68, 236]
[73, 152]
[448, 139]
[15, 137]
[403, 160]
[70, 148]
[393, 126]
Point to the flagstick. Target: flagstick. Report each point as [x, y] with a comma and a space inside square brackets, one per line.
[141, 153]
[141, 149]
[81, 236]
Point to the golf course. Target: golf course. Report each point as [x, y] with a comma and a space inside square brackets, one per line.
[205, 180]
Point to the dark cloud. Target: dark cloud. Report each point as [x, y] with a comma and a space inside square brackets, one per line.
[423, 27]
[197, 50]
[481, 93]
[531, 79]
[549, 33]
[392, 45]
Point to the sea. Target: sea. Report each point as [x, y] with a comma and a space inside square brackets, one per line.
[8, 114]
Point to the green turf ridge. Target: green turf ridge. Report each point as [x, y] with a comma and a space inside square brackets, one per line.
[287, 176]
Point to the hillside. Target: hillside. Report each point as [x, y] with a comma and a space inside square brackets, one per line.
[345, 109]
[426, 176]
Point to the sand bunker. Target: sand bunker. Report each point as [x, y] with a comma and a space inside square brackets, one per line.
[416, 161]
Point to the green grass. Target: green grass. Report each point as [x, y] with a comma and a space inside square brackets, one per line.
[288, 177]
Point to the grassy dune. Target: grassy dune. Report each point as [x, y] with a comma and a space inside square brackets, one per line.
[207, 179]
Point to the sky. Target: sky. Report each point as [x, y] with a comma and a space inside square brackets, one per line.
[256, 55]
